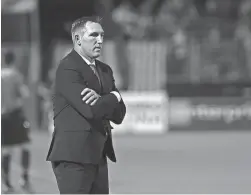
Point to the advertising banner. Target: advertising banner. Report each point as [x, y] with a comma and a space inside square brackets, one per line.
[146, 113]
[210, 113]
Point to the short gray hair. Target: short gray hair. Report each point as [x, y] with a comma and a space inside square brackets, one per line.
[80, 23]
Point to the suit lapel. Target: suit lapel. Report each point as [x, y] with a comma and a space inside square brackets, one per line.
[86, 72]
[105, 77]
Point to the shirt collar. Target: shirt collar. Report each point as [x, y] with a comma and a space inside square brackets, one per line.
[87, 61]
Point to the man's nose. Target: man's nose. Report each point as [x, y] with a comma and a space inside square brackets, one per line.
[100, 39]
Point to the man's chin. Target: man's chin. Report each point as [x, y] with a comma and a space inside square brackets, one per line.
[96, 54]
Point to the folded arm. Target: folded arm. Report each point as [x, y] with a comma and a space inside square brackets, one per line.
[119, 112]
[69, 84]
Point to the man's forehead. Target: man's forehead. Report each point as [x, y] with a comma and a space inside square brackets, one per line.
[94, 27]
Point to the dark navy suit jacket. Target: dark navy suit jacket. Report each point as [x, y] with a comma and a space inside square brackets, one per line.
[82, 133]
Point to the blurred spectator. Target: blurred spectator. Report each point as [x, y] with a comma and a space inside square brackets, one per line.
[45, 105]
[243, 32]
[15, 127]
[177, 58]
[174, 15]
[129, 20]
[125, 16]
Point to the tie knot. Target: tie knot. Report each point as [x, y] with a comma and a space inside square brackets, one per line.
[93, 67]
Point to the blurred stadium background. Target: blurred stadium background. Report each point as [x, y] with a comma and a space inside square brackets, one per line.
[184, 70]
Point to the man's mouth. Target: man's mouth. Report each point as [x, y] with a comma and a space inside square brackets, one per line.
[97, 48]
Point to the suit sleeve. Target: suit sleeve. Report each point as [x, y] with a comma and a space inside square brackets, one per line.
[119, 111]
[69, 84]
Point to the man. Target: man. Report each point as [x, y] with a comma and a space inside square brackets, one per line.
[85, 101]
[15, 127]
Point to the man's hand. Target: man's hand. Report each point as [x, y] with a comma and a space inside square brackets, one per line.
[90, 96]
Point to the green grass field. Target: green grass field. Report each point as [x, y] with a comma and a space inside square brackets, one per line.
[177, 162]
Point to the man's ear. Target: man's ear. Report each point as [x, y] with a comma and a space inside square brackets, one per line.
[77, 38]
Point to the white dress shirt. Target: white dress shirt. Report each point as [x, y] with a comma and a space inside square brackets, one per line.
[118, 96]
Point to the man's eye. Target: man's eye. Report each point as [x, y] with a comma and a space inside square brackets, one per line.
[94, 34]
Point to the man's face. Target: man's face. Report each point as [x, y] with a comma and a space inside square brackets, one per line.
[92, 40]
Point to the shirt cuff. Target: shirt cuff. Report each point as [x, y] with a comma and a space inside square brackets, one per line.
[117, 95]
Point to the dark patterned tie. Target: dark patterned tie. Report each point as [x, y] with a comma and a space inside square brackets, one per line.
[106, 123]
[94, 69]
